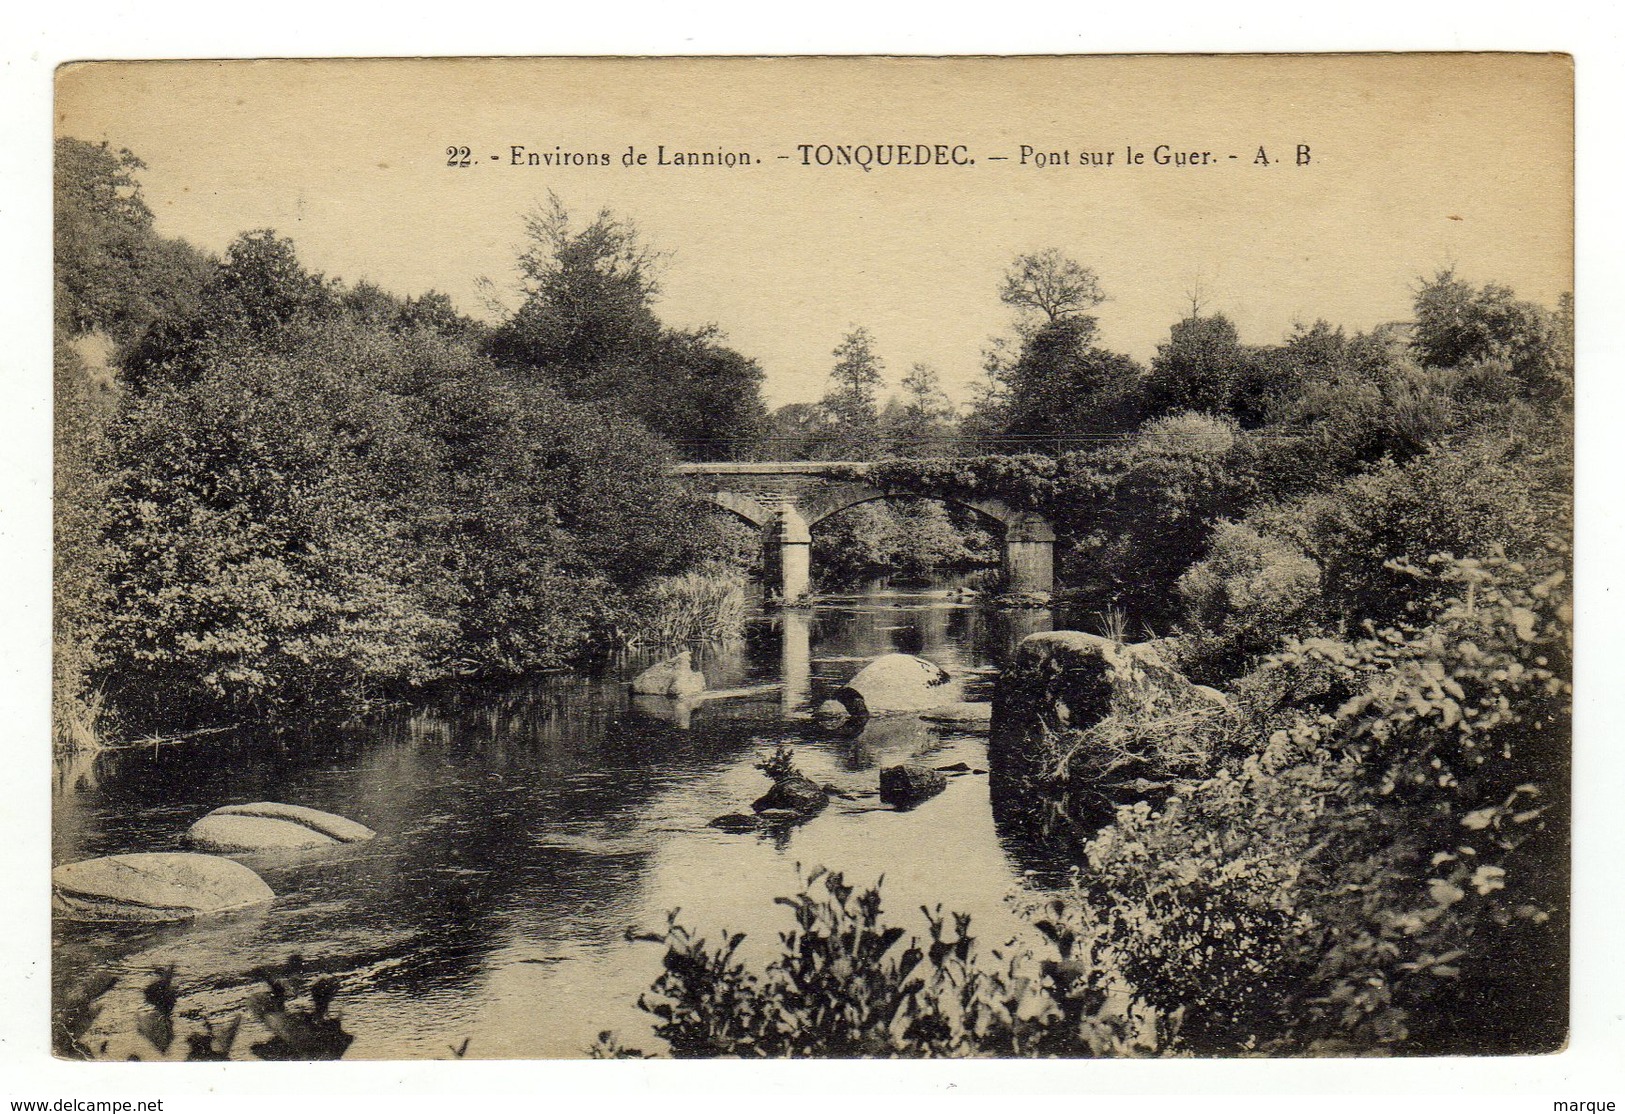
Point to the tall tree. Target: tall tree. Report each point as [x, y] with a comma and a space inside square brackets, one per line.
[919, 423]
[588, 298]
[1051, 294]
[1063, 385]
[851, 397]
[1050, 284]
[587, 326]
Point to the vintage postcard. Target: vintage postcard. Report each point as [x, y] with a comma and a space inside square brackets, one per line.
[1058, 557]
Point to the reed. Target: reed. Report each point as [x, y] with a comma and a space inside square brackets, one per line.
[694, 607]
[79, 720]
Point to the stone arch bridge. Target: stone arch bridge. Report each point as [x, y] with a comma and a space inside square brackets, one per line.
[786, 500]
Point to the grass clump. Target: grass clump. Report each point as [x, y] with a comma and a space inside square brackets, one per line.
[693, 607]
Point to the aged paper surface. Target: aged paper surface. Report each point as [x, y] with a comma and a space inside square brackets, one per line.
[524, 825]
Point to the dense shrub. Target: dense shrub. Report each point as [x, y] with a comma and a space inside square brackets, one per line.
[846, 983]
[1391, 861]
[255, 560]
[1244, 596]
[375, 509]
[1462, 499]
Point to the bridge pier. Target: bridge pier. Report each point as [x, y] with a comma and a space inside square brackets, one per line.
[795, 555]
[1029, 555]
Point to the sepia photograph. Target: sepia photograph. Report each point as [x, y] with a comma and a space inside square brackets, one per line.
[1060, 557]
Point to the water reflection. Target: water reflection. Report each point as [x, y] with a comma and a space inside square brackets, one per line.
[523, 831]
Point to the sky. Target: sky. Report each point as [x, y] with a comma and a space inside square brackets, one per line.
[1415, 163]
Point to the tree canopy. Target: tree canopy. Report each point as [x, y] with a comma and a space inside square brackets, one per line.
[587, 326]
[1050, 283]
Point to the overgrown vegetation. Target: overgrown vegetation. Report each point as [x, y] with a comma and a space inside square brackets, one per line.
[282, 497]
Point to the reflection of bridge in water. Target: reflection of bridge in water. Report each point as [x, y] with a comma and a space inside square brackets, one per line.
[787, 499]
[795, 627]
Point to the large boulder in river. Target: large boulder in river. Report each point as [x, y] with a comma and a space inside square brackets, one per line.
[907, 785]
[156, 886]
[794, 794]
[896, 683]
[273, 826]
[676, 676]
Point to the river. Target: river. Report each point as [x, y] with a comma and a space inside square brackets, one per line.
[523, 832]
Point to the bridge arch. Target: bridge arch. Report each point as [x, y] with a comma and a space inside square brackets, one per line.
[744, 506]
[787, 499]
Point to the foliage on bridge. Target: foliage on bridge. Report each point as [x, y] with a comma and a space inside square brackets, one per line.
[1028, 481]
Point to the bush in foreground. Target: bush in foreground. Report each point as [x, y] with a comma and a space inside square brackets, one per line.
[847, 984]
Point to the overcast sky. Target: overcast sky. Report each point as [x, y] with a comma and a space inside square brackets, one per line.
[1416, 163]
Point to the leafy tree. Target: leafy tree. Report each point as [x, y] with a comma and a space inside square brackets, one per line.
[1064, 385]
[253, 300]
[1199, 368]
[1058, 382]
[435, 312]
[1051, 284]
[921, 423]
[1458, 326]
[802, 431]
[588, 328]
[113, 272]
[850, 400]
[1467, 498]
[588, 298]
[703, 394]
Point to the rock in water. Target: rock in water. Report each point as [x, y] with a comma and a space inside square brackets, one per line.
[675, 676]
[907, 785]
[272, 826]
[831, 711]
[158, 886]
[965, 715]
[896, 683]
[795, 794]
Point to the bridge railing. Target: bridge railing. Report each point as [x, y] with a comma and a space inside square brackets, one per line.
[884, 448]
